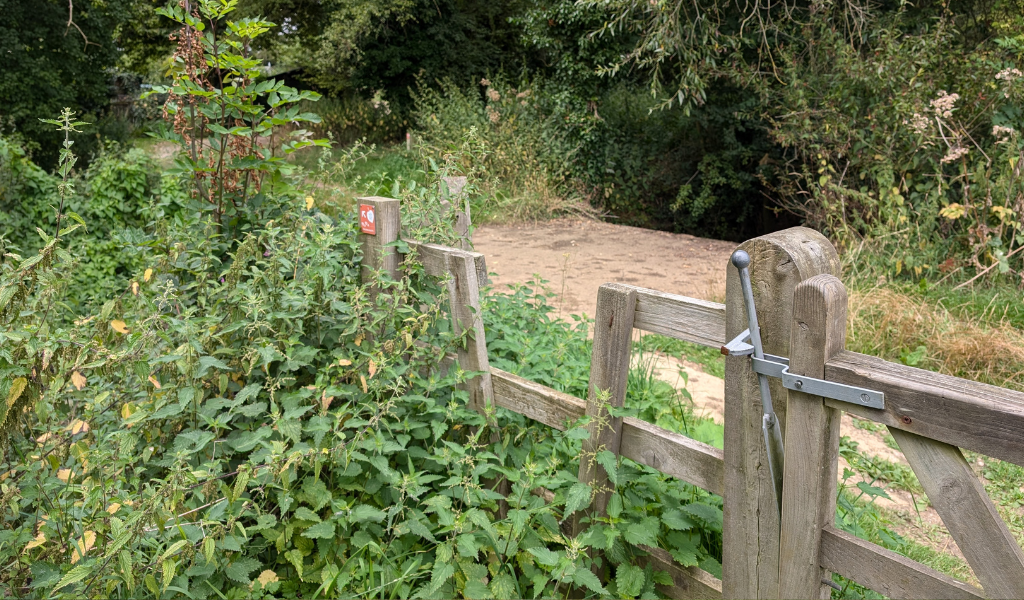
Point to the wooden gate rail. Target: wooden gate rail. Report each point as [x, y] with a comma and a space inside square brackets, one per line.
[930, 415]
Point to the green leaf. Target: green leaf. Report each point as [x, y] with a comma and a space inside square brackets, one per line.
[590, 581]
[74, 576]
[324, 531]
[545, 556]
[638, 533]
[440, 574]
[364, 512]
[709, 516]
[577, 498]
[306, 515]
[607, 460]
[476, 590]
[240, 569]
[503, 586]
[675, 519]
[629, 579]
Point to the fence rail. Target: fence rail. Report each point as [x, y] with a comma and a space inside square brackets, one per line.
[802, 308]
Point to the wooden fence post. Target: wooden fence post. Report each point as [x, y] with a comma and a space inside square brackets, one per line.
[609, 372]
[812, 442]
[387, 221]
[779, 261]
[464, 300]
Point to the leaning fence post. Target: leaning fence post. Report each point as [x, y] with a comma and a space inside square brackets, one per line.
[779, 261]
[464, 301]
[380, 222]
[812, 444]
[609, 372]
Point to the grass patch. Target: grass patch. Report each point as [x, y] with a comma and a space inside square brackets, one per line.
[971, 334]
[710, 359]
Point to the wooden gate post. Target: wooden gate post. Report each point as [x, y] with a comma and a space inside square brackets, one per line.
[609, 373]
[779, 261]
[464, 300]
[812, 445]
[387, 221]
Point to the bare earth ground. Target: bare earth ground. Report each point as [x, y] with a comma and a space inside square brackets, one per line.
[577, 256]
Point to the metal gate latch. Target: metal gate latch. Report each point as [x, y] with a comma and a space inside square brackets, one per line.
[778, 367]
[767, 365]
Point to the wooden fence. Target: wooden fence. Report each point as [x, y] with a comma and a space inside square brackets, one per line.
[802, 308]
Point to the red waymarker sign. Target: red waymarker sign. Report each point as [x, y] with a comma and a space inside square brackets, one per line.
[366, 220]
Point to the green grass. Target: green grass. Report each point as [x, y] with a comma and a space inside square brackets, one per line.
[710, 359]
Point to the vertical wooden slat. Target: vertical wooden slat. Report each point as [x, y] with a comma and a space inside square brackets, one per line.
[812, 439]
[609, 372]
[779, 261]
[388, 220]
[967, 511]
[464, 298]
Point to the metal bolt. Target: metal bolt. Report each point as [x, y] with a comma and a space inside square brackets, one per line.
[865, 398]
[907, 420]
[799, 384]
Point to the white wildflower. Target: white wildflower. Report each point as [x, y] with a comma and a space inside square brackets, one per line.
[944, 104]
[954, 153]
[1009, 74]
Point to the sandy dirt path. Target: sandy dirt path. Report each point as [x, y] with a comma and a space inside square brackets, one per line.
[577, 256]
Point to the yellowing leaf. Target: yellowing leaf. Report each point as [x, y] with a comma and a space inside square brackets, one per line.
[135, 288]
[325, 401]
[64, 475]
[372, 368]
[38, 541]
[952, 212]
[147, 275]
[344, 362]
[309, 203]
[362, 380]
[16, 390]
[85, 544]
[118, 326]
[78, 380]
[77, 426]
[43, 438]
[127, 410]
[154, 381]
[358, 340]
[113, 508]
[266, 577]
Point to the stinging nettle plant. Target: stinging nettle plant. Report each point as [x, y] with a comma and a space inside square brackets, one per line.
[229, 119]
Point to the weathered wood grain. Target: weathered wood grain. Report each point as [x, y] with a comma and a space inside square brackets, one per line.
[432, 257]
[673, 454]
[697, 321]
[609, 372]
[967, 512]
[963, 413]
[750, 541]
[536, 401]
[689, 582]
[812, 439]
[890, 574]
[388, 220]
[464, 300]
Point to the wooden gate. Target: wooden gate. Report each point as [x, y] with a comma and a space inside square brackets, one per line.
[802, 310]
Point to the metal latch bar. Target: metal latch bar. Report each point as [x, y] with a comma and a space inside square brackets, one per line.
[778, 367]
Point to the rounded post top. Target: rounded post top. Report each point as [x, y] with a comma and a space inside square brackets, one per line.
[740, 259]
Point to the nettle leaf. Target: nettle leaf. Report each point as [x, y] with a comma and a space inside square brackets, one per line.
[675, 519]
[467, 545]
[545, 556]
[503, 586]
[629, 579]
[590, 581]
[614, 506]
[440, 574]
[316, 493]
[365, 512]
[640, 533]
[709, 516]
[608, 460]
[476, 590]
[306, 515]
[577, 498]
[240, 569]
[323, 531]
